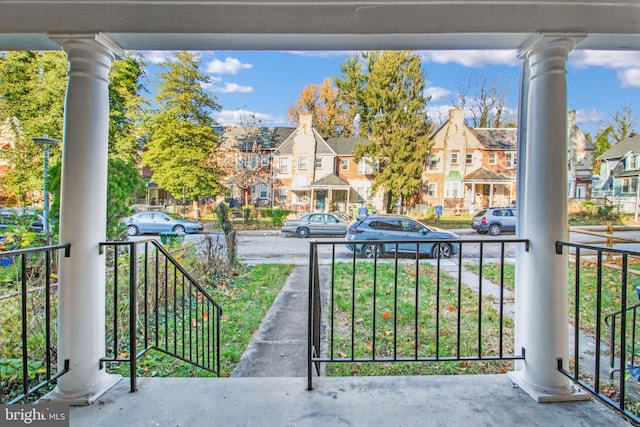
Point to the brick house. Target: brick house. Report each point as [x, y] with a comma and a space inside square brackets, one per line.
[314, 174]
[473, 168]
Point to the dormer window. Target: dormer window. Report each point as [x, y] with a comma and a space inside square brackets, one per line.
[632, 161]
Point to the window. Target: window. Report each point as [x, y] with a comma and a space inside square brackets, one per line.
[365, 166]
[452, 189]
[632, 162]
[302, 163]
[282, 194]
[432, 190]
[344, 164]
[318, 163]
[363, 193]
[241, 162]
[629, 185]
[433, 161]
[454, 158]
[284, 165]
[469, 159]
[492, 158]
[264, 191]
[264, 160]
[579, 158]
[510, 161]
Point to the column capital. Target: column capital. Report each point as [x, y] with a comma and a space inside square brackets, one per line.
[96, 42]
[542, 42]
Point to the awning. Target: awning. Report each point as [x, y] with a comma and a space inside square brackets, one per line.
[454, 176]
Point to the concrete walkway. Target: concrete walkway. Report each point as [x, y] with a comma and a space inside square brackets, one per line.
[279, 347]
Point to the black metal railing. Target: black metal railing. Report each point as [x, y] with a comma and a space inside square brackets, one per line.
[406, 308]
[603, 309]
[154, 303]
[28, 350]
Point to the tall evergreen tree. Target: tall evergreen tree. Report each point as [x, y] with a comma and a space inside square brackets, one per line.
[394, 120]
[351, 92]
[181, 142]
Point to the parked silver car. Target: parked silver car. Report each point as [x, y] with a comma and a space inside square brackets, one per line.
[399, 228]
[494, 221]
[315, 223]
[158, 222]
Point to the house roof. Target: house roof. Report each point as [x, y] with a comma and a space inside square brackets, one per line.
[485, 175]
[497, 138]
[286, 147]
[331, 180]
[619, 150]
[345, 146]
[268, 138]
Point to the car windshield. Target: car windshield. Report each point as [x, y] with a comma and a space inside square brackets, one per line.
[175, 216]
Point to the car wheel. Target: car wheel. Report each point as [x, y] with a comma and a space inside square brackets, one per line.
[373, 250]
[179, 228]
[302, 232]
[494, 229]
[132, 230]
[441, 250]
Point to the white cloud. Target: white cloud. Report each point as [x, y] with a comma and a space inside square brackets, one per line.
[437, 93]
[228, 66]
[604, 58]
[629, 77]
[233, 118]
[158, 56]
[472, 58]
[591, 117]
[232, 88]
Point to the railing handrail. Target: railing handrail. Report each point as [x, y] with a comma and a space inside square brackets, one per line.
[172, 293]
[65, 246]
[561, 243]
[167, 254]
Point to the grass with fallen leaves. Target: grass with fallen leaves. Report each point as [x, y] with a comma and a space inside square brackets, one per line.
[416, 316]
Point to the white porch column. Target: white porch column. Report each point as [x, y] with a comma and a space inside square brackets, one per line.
[83, 200]
[541, 277]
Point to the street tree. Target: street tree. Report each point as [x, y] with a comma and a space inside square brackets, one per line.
[484, 99]
[351, 84]
[181, 141]
[395, 122]
[242, 158]
[324, 104]
[32, 90]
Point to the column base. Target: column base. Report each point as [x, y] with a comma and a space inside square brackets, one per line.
[571, 393]
[88, 398]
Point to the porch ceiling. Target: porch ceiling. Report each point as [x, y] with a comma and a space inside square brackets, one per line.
[315, 24]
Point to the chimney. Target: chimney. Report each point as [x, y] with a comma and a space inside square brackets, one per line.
[305, 121]
[456, 116]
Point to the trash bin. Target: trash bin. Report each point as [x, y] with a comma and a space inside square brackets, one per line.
[363, 210]
[171, 238]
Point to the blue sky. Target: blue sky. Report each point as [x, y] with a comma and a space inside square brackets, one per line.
[266, 83]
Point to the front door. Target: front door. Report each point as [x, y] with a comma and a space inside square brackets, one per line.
[320, 200]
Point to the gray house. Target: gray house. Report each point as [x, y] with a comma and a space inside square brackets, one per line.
[620, 173]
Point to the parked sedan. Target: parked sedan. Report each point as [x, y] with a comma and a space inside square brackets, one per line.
[158, 222]
[315, 223]
[401, 229]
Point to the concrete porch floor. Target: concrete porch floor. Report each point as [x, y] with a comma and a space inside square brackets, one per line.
[464, 400]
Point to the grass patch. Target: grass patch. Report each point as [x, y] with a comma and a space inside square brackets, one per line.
[379, 316]
[493, 272]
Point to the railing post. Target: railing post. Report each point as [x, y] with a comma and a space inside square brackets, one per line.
[133, 318]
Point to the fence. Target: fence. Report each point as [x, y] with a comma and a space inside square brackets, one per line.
[407, 308]
[155, 304]
[28, 356]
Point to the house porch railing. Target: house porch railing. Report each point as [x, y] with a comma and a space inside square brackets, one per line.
[406, 308]
[153, 303]
[603, 306]
[28, 302]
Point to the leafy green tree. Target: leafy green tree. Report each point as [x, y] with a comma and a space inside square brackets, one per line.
[394, 120]
[602, 144]
[181, 141]
[351, 92]
[32, 90]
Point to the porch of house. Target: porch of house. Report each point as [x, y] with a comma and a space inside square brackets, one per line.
[476, 400]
